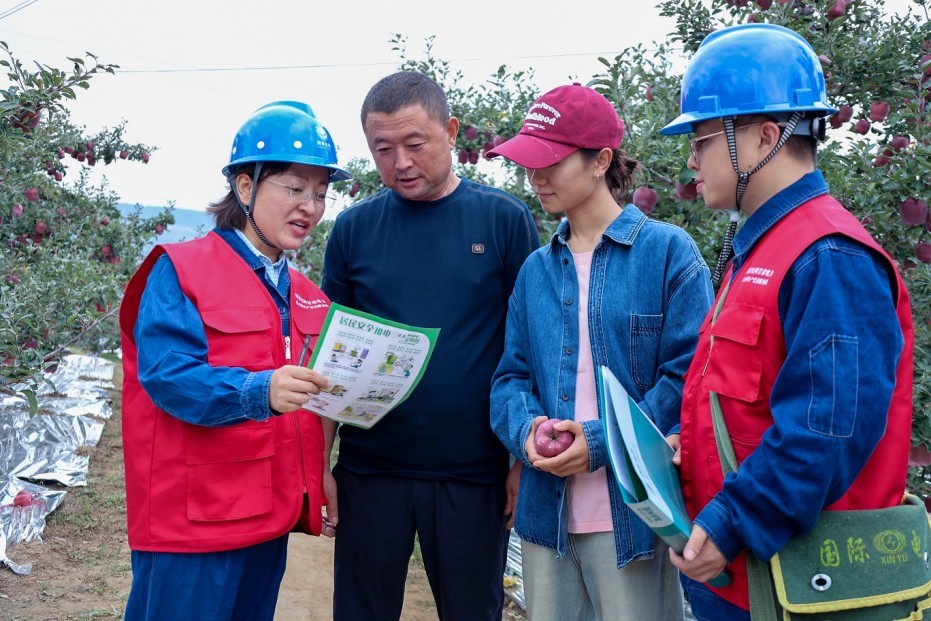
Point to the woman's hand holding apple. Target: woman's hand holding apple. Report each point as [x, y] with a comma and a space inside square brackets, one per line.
[574, 460]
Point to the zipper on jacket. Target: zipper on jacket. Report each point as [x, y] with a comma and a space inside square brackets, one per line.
[287, 347]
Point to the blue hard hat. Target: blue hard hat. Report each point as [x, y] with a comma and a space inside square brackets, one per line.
[751, 69]
[285, 131]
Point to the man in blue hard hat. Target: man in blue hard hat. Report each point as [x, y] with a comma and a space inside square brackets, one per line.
[809, 348]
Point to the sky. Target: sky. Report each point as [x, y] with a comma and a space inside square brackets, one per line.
[192, 72]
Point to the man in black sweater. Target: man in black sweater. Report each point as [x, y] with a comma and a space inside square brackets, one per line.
[439, 251]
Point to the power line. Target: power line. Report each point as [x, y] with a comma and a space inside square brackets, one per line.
[19, 7]
[351, 65]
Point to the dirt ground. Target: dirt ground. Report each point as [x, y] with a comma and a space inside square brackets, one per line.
[81, 570]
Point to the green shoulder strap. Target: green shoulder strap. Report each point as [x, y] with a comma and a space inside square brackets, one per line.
[762, 601]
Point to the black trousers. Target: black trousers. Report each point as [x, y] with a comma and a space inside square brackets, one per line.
[460, 529]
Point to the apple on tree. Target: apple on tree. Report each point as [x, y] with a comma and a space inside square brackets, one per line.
[550, 441]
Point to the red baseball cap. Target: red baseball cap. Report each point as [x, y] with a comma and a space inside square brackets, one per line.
[560, 122]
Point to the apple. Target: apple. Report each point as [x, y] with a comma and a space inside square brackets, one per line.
[40, 227]
[471, 132]
[862, 127]
[497, 140]
[160, 228]
[899, 142]
[145, 157]
[925, 61]
[28, 120]
[649, 93]
[550, 442]
[17, 210]
[32, 195]
[645, 199]
[23, 498]
[473, 157]
[124, 154]
[764, 4]
[686, 191]
[463, 156]
[913, 211]
[918, 455]
[923, 252]
[837, 10]
[878, 111]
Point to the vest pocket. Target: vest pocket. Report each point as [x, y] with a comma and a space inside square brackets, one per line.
[229, 472]
[735, 362]
[223, 322]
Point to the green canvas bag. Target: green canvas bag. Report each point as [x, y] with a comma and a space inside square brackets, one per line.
[870, 565]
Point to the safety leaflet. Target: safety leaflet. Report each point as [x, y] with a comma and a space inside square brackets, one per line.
[372, 364]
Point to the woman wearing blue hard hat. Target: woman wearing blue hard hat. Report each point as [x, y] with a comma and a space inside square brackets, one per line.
[221, 461]
[807, 355]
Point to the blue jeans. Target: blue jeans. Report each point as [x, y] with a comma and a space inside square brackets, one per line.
[706, 606]
[586, 584]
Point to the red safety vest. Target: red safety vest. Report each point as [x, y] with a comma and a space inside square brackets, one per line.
[206, 489]
[748, 353]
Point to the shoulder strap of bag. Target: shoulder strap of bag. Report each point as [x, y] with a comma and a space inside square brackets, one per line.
[759, 577]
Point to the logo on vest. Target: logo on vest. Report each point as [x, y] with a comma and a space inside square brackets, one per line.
[310, 304]
[757, 275]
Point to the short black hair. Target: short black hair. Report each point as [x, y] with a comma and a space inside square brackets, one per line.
[406, 88]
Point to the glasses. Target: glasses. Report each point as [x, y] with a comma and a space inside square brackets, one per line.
[320, 199]
[696, 147]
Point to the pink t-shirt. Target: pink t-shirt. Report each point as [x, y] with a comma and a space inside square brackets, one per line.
[587, 494]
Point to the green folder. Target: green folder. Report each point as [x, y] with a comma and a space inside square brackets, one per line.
[643, 468]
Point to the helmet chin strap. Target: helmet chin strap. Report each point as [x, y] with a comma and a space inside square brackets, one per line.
[743, 178]
[248, 210]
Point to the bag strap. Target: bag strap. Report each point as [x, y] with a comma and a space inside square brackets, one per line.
[759, 577]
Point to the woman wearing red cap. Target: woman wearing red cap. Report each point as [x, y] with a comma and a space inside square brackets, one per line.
[613, 288]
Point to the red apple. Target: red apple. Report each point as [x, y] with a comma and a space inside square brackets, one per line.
[918, 455]
[550, 442]
[27, 120]
[32, 195]
[844, 114]
[23, 498]
[473, 157]
[145, 158]
[463, 156]
[925, 61]
[686, 191]
[159, 229]
[645, 199]
[878, 111]
[923, 252]
[862, 127]
[497, 140]
[471, 133]
[899, 142]
[764, 4]
[649, 93]
[837, 10]
[124, 154]
[17, 210]
[913, 211]
[40, 227]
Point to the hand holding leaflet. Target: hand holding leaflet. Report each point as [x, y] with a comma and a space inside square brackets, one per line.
[372, 364]
[642, 463]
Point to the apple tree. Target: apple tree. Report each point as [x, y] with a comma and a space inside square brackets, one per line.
[67, 251]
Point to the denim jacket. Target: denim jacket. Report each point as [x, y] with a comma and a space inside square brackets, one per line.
[649, 291]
